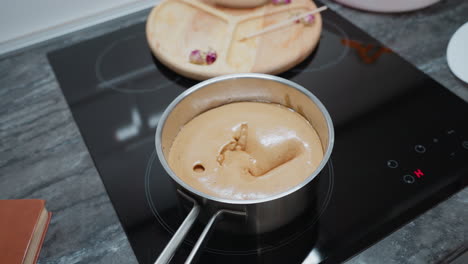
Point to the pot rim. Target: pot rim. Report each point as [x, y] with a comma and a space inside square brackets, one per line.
[201, 85]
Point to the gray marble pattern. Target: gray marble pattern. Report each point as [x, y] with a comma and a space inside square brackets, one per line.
[42, 154]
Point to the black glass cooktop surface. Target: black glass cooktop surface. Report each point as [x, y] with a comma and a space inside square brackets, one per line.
[401, 144]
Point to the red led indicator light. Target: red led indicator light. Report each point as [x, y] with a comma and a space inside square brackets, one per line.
[418, 173]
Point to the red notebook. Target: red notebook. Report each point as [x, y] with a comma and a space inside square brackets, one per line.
[23, 225]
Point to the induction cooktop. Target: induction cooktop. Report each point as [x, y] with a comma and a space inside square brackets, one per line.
[401, 144]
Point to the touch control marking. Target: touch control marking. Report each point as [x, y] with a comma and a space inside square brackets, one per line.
[465, 144]
[420, 149]
[418, 173]
[408, 179]
[392, 164]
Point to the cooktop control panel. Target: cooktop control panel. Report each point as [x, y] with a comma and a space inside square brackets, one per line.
[435, 153]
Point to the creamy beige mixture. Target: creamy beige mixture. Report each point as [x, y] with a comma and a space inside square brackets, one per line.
[245, 150]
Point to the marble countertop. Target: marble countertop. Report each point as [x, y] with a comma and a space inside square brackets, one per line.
[42, 154]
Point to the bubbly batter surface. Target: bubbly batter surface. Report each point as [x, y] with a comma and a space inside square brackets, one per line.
[245, 150]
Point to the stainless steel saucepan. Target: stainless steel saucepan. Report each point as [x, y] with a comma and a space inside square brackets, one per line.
[253, 216]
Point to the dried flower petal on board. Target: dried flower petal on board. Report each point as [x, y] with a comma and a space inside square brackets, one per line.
[203, 58]
[211, 57]
[308, 20]
[197, 57]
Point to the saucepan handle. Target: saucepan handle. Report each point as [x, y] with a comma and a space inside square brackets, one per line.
[202, 239]
[180, 234]
[184, 228]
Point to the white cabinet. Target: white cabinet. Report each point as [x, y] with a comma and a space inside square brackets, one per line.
[25, 22]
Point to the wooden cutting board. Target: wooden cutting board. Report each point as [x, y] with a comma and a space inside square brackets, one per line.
[176, 27]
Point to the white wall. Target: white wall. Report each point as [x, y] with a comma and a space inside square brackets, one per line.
[25, 22]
